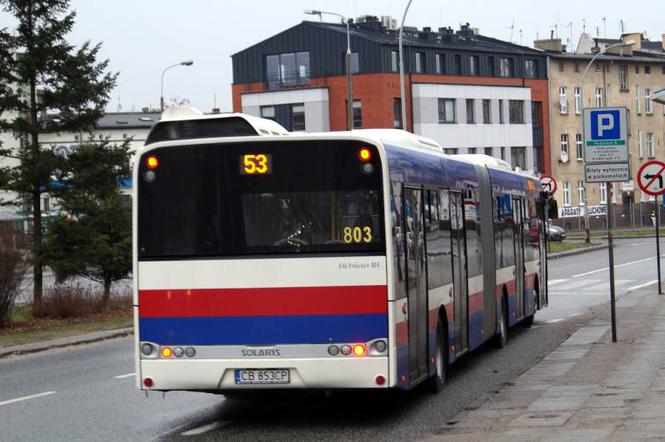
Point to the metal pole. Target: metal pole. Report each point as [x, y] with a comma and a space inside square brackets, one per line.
[401, 67]
[660, 288]
[610, 245]
[349, 86]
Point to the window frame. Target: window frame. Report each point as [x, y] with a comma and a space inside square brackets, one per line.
[442, 110]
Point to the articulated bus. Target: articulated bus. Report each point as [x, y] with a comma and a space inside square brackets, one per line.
[353, 260]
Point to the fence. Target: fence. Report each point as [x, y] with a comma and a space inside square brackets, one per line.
[624, 216]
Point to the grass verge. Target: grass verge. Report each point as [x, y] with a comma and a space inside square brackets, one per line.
[26, 329]
[556, 247]
[616, 233]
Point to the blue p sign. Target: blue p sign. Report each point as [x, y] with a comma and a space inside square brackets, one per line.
[605, 125]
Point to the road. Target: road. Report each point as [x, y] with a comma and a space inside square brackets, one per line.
[88, 392]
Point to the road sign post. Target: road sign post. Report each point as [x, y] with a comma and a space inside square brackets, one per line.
[651, 179]
[606, 161]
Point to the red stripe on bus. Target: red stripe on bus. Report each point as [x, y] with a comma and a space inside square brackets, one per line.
[279, 301]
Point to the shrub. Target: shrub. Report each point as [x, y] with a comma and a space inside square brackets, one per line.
[12, 268]
[65, 301]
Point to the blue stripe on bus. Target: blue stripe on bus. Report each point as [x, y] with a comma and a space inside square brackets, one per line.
[264, 330]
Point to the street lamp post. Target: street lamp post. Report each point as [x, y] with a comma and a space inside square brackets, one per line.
[161, 95]
[349, 63]
[587, 229]
[401, 66]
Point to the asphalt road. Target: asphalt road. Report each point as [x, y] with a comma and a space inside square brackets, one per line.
[88, 393]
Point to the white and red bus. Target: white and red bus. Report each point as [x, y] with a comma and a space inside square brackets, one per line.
[364, 259]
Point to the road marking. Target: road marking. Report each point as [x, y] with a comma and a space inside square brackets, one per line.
[641, 286]
[556, 281]
[637, 244]
[123, 376]
[205, 428]
[581, 283]
[618, 265]
[553, 321]
[26, 398]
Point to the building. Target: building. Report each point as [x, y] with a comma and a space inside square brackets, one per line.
[472, 93]
[623, 77]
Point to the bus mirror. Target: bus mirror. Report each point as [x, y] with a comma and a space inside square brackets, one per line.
[553, 212]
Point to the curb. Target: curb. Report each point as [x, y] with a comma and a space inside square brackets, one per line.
[37, 347]
[576, 251]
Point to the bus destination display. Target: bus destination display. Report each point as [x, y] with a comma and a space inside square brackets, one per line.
[255, 164]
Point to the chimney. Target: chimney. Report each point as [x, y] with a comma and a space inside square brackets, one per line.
[215, 110]
[145, 110]
[635, 37]
[550, 45]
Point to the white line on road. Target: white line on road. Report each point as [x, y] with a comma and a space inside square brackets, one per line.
[638, 244]
[582, 283]
[123, 376]
[26, 398]
[641, 286]
[556, 281]
[205, 428]
[618, 265]
[553, 321]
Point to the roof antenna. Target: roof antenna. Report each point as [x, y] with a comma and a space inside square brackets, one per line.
[521, 40]
[119, 105]
[622, 23]
[604, 19]
[570, 42]
[556, 30]
[512, 28]
[597, 32]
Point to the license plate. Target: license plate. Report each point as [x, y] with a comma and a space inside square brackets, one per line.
[264, 376]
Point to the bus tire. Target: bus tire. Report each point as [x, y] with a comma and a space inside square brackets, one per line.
[528, 321]
[501, 337]
[436, 382]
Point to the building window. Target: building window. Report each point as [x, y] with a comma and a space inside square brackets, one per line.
[565, 185]
[648, 104]
[599, 97]
[394, 61]
[577, 67]
[355, 62]
[564, 145]
[502, 119]
[623, 78]
[446, 110]
[637, 68]
[473, 65]
[268, 112]
[488, 151]
[602, 190]
[297, 117]
[640, 147]
[561, 66]
[650, 150]
[472, 150]
[470, 111]
[458, 64]
[578, 100]
[450, 150]
[563, 100]
[578, 147]
[598, 66]
[487, 111]
[647, 69]
[638, 102]
[581, 192]
[46, 204]
[503, 152]
[440, 63]
[530, 69]
[518, 157]
[357, 114]
[420, 62]
[397, 113]
[288, 69]
[505, 67]
[492, 70]
[516, 111]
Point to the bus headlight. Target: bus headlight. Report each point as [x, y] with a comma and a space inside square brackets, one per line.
[147, 349]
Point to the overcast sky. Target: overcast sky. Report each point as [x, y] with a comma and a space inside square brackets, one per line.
[141, 37]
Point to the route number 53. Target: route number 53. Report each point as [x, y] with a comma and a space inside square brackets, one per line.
[255, 164]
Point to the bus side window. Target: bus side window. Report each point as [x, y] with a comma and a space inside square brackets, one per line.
[399, 253]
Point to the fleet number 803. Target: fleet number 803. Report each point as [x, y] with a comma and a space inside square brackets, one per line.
[357, 234]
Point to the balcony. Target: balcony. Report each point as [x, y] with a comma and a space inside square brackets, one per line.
[287, 81]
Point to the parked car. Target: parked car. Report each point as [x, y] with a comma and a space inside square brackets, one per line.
[556, 233]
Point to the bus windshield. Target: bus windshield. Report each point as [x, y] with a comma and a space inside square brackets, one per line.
[277, 197]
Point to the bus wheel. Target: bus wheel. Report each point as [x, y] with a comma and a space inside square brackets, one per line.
[441, 360]
[502, 331]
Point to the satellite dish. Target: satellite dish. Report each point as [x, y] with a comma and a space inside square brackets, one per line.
[564, 156]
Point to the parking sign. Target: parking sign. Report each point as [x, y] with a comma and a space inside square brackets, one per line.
[606, 145]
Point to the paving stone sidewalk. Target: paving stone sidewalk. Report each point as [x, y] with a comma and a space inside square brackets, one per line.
[587, 389]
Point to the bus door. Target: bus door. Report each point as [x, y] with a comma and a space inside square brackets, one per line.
[518, 214]
[416, 282]
[460, 296]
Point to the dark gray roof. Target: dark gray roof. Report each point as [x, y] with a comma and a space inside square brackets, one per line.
[446, 38]
[128, 120]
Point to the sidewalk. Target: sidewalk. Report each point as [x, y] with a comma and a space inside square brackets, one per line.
[587, 389]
